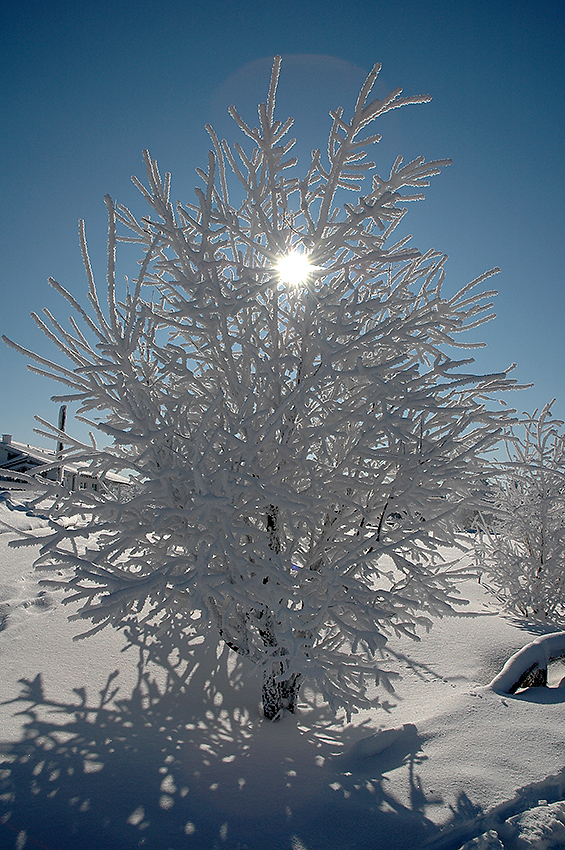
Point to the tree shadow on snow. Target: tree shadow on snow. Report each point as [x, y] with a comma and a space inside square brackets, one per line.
[533, 626]
[181, 763]
[469, 821]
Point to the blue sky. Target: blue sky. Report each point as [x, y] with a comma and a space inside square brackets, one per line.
[85, 88]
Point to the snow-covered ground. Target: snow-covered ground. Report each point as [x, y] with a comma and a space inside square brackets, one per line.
[100, 752]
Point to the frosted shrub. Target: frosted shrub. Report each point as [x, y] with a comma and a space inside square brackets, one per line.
[278, 378]
[526, 547]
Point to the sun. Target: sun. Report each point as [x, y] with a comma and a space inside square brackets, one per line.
[294, 268]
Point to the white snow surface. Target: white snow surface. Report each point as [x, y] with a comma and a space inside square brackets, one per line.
[97, 751]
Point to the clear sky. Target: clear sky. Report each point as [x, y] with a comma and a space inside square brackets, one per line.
[86, 87]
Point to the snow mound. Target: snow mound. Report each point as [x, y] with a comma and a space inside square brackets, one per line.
[528, 666]
[18, 518]
[376, 744]
[487, 841]
[539, 828]
[542, 827]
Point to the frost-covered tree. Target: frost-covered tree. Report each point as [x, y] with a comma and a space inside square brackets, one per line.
[525, 545]
[278, 379]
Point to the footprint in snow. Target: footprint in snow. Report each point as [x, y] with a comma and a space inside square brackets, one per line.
[42, 601]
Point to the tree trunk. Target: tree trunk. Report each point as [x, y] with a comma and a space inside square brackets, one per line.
[279, 695]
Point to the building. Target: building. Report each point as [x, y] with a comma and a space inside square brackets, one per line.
[21, 457]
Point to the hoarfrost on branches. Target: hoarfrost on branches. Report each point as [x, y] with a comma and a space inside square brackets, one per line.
[301, 450]
[524, 548]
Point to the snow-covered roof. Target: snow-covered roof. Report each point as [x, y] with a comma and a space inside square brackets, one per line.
[43, 456]
[40, 454]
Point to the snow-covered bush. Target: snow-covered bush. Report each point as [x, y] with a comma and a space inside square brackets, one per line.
[278, 379]
[525, 545]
